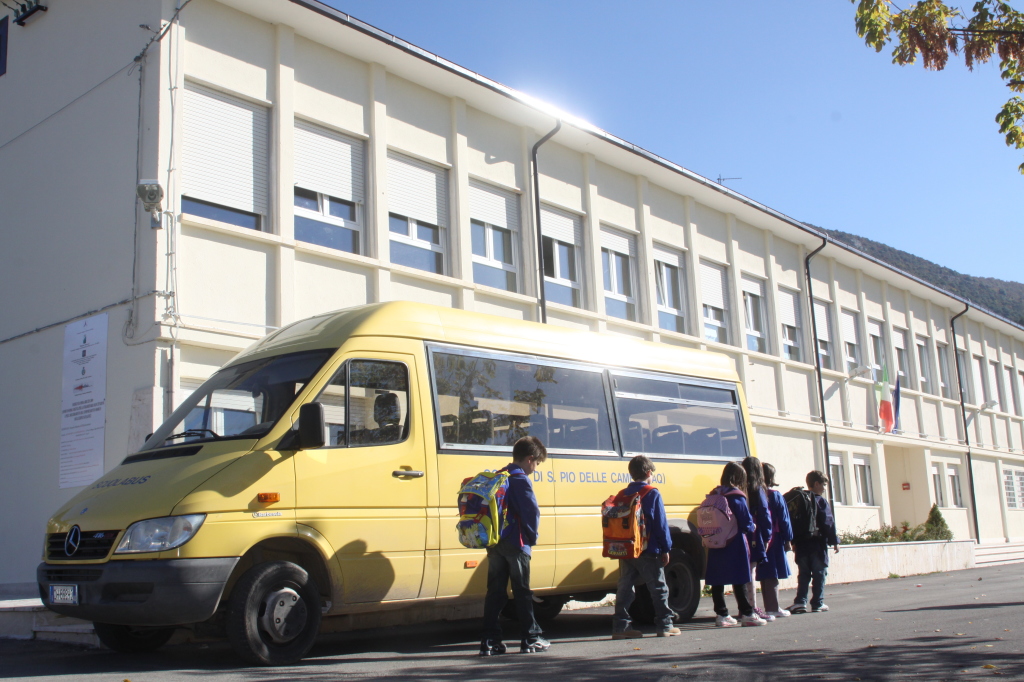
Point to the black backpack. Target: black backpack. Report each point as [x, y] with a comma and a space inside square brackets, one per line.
[803, 513]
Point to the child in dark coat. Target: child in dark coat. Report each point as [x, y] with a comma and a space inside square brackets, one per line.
[775, 568]
[757, 500]
[811, 554]
[730, 565]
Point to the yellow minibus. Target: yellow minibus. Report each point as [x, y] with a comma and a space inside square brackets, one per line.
[317, 473]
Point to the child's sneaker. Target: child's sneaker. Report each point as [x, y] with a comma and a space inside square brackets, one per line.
[823, 607]
[781, 613]
[797, 608]
[726, 622]
[752, 620]
[763, 615]
[627, 634]
[669, 632]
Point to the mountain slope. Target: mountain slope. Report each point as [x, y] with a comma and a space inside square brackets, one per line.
[1000, 296]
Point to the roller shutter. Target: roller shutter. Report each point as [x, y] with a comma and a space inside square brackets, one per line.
[712, 281]
[329, 162]
[565, 227]
[417, 190]
[494, 206]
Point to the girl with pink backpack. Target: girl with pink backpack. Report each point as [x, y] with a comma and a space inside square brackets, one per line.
[730, 565]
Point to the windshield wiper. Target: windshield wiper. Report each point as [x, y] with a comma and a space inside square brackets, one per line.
[192, 433]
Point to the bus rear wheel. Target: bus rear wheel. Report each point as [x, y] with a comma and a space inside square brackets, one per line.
[683, 592]
[130, 640]
[273, 614]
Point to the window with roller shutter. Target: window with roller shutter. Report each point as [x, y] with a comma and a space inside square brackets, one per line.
[225, 158]
[494, 222]
[562, 239]
[714, 291]
[670, 274]
[754, 314]
[851, 339]
[823, 328]
[417, 213]
[788, 303]
[618, 254]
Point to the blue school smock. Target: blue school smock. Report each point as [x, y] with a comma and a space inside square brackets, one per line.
[763, 532]
[730, 565]
[776, 567]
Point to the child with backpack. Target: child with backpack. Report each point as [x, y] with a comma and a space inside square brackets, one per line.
[757, 499]
[728, 543]
[814, 531]
[509, 558]
[642, 505]
[775, 568]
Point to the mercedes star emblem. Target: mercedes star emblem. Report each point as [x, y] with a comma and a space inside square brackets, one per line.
[73, 540]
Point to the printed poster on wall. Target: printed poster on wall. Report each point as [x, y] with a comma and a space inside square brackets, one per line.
[83, 401]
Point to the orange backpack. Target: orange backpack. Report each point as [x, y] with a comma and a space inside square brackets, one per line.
[622, 520]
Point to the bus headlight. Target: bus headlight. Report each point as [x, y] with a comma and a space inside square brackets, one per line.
[158, 535]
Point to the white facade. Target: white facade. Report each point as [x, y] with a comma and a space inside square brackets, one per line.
[368, 170]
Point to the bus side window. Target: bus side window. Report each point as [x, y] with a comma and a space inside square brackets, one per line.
[378, 404]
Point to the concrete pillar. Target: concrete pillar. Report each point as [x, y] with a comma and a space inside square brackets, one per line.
[377, 234]
[282, 174]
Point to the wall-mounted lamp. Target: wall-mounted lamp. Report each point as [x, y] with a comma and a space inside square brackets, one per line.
[25, 9]
[861, 371]
[989, 404]
[151, 194]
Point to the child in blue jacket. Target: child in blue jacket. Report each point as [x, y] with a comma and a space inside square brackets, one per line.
[776, 568]
[730, 565]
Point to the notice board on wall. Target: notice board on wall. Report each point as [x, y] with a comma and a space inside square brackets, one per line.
[83, 401]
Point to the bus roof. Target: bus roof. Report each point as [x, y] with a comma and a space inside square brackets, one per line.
[460, 327]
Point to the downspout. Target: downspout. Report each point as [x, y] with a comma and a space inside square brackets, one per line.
[963, 419]
[817, 364]
[540, 238]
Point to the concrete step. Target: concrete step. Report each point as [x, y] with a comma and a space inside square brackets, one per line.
[996, 555]
[29, 619]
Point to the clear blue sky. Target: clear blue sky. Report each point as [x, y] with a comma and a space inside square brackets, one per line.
[781, 94]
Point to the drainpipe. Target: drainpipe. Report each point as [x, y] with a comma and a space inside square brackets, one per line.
[817, 363]
[540, 238]
[963, 419]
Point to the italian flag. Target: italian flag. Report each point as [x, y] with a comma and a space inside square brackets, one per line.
[888, 402]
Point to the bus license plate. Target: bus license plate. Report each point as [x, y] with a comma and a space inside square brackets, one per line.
[63, 594]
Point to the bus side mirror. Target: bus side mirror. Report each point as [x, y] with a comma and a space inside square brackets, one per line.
[311, 426]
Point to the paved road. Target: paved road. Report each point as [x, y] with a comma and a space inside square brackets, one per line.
[934, 627]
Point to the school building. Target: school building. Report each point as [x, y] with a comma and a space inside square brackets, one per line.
[311, 162]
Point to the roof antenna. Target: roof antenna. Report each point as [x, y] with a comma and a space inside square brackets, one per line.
[721, 180]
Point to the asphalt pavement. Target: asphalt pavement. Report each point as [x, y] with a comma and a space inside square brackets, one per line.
[961, 625]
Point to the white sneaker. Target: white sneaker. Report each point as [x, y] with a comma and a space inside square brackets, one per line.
[823, 607]
[781, 613]
[726, 622]
[752, 620]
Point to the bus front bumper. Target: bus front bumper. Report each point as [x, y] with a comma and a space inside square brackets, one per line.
[158, 592]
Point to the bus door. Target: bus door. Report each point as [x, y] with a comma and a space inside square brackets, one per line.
[366, 490]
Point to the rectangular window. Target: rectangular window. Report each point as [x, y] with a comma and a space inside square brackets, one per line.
[1010, 391]
[899, 342]
[1010, 488]
[944, 386]
[225, 158]
[851, 345]
[995, 387]
[981, 390]
[329, 172]
[669, 272]
[374, 395]
[877, 346]
[956, 494]
[489, 401]
[562, 237]
[754, 314]
[837, 476]
[418, 210]
[965, 377]
[715, 291]
[789, 319]
[823, 322]
[618, 253]
[924, 365]
[494, 223]
[667, 416]
[1020, 394]
[862, 476]
[940, 498]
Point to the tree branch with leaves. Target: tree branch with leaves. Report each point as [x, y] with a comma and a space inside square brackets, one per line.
[932, 31]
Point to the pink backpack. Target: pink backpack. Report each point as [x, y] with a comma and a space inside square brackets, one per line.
[716, 523]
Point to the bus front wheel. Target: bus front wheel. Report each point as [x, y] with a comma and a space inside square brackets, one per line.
[131, 640]
[273, 614]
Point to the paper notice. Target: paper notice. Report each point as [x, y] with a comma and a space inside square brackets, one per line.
[83, 403]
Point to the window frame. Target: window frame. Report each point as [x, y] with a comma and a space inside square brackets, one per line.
[409, 238]
[876, 350]
[938, 488]
[956, 492]
[575, 286]
[661, 277]
[323, 216]
[615, 277]
[837, 476]
[710, 323]
[925, 376]
[863, 482]
[824, 352]
[346, 367]
[784, 340]
[488, 259]
[754, 310]
[852, 359]
[902, 360]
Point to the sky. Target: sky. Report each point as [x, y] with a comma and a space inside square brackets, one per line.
[782, 95]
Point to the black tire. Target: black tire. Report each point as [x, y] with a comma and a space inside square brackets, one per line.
[131, 640]
[273, 614]
[683, 586]
[546, 610]
[683, 592]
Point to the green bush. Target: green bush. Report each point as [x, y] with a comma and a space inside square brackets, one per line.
[934, 528]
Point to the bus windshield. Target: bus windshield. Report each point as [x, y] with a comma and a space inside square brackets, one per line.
[242, 401]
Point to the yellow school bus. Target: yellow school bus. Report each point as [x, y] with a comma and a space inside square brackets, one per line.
[316, 475]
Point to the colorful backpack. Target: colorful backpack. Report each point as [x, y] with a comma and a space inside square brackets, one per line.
[716, 523]
[482, 509]
[622, 521]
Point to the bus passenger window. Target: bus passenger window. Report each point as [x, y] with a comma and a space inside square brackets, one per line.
[377, 394]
